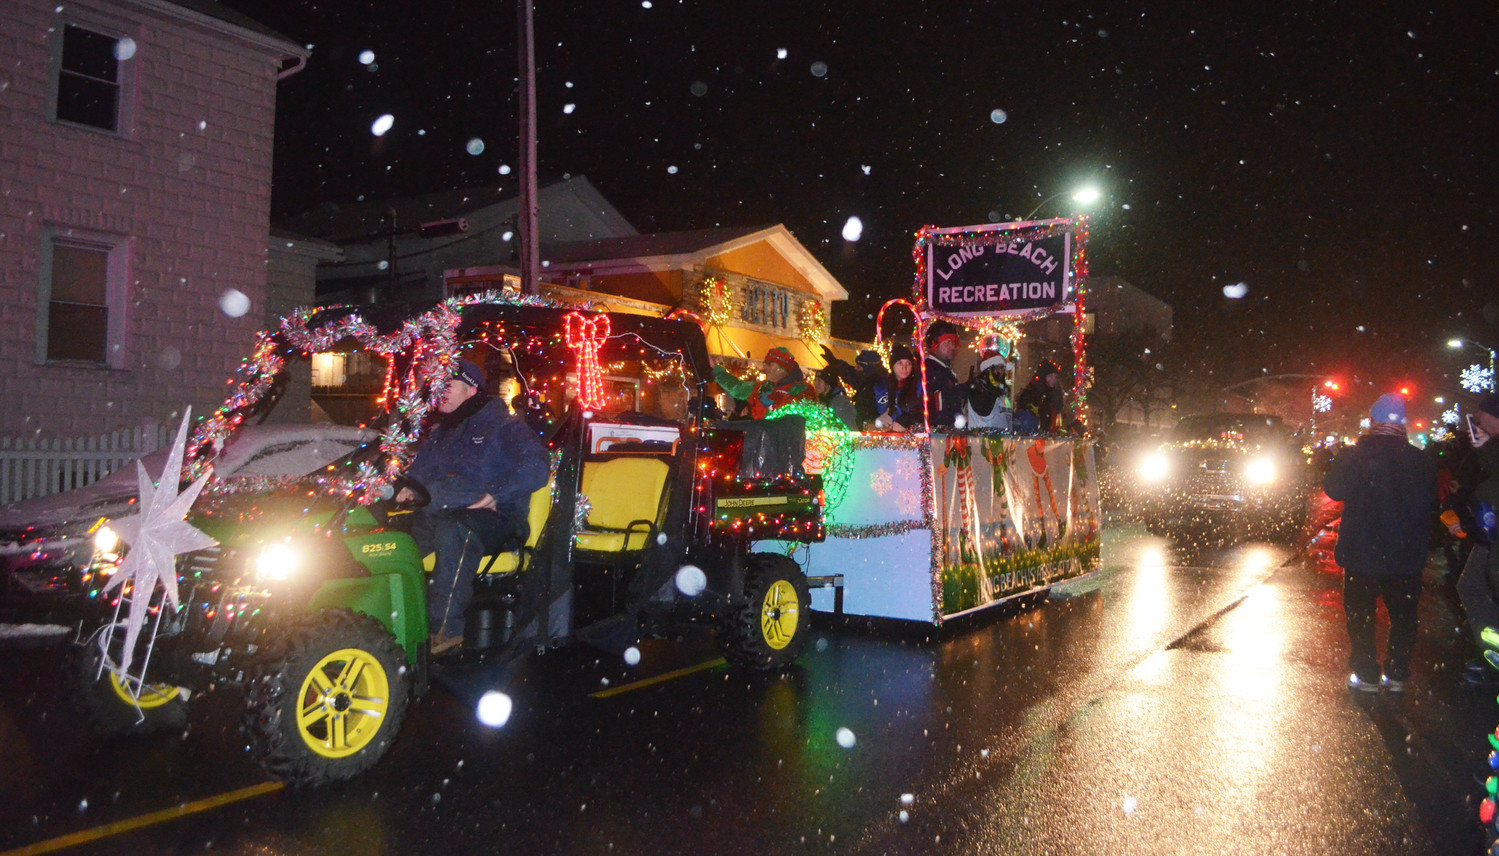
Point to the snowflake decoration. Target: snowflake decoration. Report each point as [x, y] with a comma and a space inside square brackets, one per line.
[1364, 423]
[905, 468]
[1321, 403]
[1476, 378]
[157, 535]
[1440, 434]
[880, 481]
[1452, 416]
[909, 504]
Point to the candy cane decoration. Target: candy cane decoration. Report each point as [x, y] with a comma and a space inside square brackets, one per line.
[585, 335]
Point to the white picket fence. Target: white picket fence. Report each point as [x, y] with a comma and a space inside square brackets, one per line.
[32, 466]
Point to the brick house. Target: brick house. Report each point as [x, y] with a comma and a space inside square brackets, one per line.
[135, 157]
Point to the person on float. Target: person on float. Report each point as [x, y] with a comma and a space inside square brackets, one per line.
[988, 395]
[1389, 490]
[943, 392]
[1039, 407]
[479, 464]
[901, 394]
[783, 384]
[828, 384]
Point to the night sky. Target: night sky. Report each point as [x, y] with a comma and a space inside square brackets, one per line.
[1335, 158]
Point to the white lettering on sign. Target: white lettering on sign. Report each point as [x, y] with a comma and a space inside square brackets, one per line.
[995, 292]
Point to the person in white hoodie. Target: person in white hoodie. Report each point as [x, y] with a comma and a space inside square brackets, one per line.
[989, 403]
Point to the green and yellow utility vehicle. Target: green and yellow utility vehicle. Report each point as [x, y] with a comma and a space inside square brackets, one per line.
[313, 604]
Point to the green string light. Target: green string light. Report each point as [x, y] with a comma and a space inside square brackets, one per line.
[832, 439]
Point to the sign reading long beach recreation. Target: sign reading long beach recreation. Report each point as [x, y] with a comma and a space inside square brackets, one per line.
[998, 277]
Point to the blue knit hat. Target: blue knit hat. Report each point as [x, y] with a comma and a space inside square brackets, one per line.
[1389, 408]
[469, 373]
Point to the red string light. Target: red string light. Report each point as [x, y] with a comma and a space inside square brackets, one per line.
[585, 335]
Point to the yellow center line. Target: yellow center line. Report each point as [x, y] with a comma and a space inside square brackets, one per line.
[129, 824]
[641, 684]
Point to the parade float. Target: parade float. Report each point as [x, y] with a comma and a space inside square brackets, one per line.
[930, 525]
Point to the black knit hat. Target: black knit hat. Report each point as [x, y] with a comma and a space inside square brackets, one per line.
[901, 352]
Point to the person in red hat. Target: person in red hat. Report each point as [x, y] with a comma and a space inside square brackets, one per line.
[782, 385]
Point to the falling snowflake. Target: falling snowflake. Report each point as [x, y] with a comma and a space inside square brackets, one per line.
[880, 481]
[1476, 378]
[1321, 403]
[1452, 416]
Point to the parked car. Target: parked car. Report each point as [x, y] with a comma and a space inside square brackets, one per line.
[1224, 474]
[46, 543]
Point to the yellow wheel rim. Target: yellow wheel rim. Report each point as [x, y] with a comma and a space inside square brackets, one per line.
[778, 614]
[152, 695]
[342, 703]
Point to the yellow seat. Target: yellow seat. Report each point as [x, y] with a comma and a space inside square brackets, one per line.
[505, 563]
[625, 497]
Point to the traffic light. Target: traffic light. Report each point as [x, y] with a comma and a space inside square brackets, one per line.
[1405, 390]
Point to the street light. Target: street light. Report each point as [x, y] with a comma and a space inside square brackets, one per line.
[1457, 343]
[1086, 195]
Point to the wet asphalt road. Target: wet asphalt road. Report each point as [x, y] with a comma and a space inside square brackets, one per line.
[1181, 700]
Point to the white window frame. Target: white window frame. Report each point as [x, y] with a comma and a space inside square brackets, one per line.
[116, 291]
[124, 124]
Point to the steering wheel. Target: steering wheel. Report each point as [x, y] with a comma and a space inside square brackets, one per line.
[423, 497]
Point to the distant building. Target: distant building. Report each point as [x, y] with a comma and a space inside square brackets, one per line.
[137, 171]
[400, 249]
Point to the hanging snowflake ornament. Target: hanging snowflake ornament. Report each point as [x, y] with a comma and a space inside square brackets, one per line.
[156, 536]
[1321, 403]
[880, 481]
[1476, 379]
[1451, 416]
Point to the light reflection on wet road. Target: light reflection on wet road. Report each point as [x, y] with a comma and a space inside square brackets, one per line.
[1179, 701]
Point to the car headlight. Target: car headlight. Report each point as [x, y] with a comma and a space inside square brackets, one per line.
[1154, 467]
[277, 562]
[1260, 471]
[106, 540]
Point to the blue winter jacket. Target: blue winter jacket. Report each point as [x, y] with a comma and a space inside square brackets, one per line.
[1389, 491]
[490, 452]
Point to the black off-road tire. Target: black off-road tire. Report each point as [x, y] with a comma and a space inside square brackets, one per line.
[284, 687]
[105, 701]
[770, 630]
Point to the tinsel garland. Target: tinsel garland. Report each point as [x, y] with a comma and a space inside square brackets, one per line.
[432, 336]
[874, 530]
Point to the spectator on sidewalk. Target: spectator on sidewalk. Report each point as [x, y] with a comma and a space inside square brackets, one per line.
[1388, 489]
[1479, 583]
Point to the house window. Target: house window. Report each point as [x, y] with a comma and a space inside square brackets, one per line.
[90, 78]
[83, 286]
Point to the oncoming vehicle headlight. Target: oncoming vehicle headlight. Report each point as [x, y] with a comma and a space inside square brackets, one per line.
[1260, 471]
[277, 562]
[1154, 467]
[106, 540]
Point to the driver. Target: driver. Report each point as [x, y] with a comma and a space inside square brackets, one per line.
[480, 464]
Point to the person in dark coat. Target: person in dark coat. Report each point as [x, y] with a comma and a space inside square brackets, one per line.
[943, 392]
[900, 394]
[1388, 489]
[1478, 586]
[480, 464]
[1039, 407]
[829, 387]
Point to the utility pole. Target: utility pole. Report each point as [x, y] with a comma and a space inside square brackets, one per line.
[525, 219]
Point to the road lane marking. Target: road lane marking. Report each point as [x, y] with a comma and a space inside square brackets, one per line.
[643, 683]
[130, 824]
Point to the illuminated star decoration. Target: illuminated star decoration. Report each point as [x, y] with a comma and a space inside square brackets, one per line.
[1476, 378]
[157, 535]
